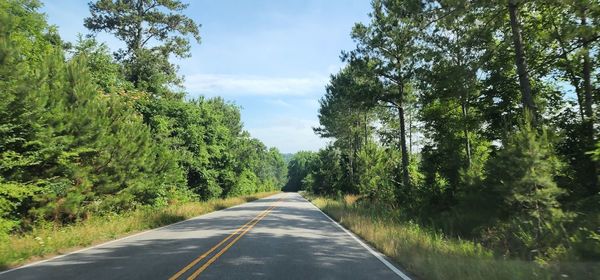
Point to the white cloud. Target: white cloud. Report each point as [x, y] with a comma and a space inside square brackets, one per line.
[238, 85]
[278, 102]
[289, 135]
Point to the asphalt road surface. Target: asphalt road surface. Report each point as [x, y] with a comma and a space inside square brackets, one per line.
[278, 237]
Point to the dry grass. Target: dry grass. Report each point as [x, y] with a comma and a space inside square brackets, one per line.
[431, 255]
[51, 239]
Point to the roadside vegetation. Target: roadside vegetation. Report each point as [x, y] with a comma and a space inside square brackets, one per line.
[469, 130]
[96, 143]
[48, 239]
[430, 254]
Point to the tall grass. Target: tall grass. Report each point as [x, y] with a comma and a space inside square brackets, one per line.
[429, 254]
[51, 239]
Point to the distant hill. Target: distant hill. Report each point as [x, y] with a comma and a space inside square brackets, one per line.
[287, 157]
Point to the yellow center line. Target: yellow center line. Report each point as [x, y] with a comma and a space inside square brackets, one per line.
[195, 261]
[215, 257]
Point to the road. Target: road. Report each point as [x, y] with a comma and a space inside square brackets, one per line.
[278, 237]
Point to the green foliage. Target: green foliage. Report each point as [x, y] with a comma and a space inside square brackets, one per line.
[76, 144]
[28, 30]
[78, 138]
[596, 153]
[329, 174]
[301, 164]
[375, 169]
[12, 197]
[522, 174]
[476, 119]
[153, 73]
[152, 31]
[246, 184]
[136, 22]
[431, 254]
[386, 53]
[207, 140]
[104, 70]
[427, 119]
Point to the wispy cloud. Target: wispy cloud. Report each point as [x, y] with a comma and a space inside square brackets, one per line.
[278, 102]
[240, 85]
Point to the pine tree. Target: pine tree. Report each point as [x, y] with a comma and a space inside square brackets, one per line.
[522, 174]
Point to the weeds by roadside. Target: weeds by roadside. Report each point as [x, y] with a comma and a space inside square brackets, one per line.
[431, 255]
[50, 239]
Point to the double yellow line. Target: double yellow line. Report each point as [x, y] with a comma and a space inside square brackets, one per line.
[241, 230]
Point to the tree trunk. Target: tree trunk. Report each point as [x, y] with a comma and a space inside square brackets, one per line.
[578, 92]
[137, 44]
[587, 96]
[466, 134]
[410, 131]
[587, 69]
[352, 165]
[366, 131]
[405, 159]
[527, 98]
[587, 85]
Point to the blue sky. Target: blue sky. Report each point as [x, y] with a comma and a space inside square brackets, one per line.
[271, 57]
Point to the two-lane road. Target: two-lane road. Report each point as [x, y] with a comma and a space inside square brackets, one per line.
[279, 237]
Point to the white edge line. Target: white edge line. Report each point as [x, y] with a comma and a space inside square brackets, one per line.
[377, 254]
[123, 238]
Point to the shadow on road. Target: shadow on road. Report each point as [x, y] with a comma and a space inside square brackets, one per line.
[295, 241]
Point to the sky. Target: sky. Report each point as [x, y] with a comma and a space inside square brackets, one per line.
[272, 58]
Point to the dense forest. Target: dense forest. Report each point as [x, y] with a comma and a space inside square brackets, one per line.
[85, 130]
[476, 119]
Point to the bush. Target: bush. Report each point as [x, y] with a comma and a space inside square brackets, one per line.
[522, 174]
[375, 173]
[246, 184]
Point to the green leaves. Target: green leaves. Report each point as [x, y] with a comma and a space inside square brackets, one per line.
[12, 196]
[81, 135]
[138, 22]
[301, 164]
[450, 86]
[206, 138]
[152, 31]
[523, 175]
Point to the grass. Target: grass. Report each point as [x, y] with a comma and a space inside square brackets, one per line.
[50, 240]
[431, 255]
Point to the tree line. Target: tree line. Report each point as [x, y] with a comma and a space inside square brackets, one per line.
[475, 118]
[84, 131]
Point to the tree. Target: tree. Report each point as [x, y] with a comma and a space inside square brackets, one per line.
[327, 176]
[105, 71]
[521, 62]
[523, 175]
[574, 36]
[25, 42]
[449, 94]
[77, 138]
[375, 169]
[73, 144]
[344, 116]
[152, 31]
[301, 164]
[387, 49]
[504, 153]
